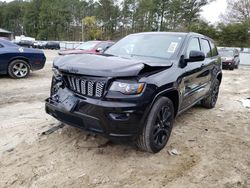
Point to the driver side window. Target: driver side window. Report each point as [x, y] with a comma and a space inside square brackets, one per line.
[194, 44]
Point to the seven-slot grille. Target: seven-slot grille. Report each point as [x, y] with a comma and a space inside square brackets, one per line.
[86, 87]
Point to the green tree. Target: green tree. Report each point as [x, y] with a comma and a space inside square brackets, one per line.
[235, 35]
[204, 28]
[91, 30]
[31, 23]
[237, 11]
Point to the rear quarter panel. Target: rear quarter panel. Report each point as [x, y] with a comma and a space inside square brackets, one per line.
[35, 58]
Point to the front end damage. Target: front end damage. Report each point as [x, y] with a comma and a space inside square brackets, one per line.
[89, 102]
[86, 104]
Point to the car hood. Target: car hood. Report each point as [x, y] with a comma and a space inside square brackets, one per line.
[107, 66]
[227, 58]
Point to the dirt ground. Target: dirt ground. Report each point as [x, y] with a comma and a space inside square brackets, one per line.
[213, 145]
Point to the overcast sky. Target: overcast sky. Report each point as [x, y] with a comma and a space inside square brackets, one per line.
[210, 12]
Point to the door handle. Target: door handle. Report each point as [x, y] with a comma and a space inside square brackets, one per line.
[203, 65]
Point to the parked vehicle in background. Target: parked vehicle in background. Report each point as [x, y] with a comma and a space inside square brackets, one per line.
[35, 44]
[230, 58]
[52, 45]
[137, 87]
[25, 43]
[40, 44]
[90, 47]
[18, 61]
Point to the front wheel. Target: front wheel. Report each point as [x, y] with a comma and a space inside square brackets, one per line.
[158, 128]
[18, 69]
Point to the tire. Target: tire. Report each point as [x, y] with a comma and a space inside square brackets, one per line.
[158, 127]
[18, 69]
[237, 66]
[232, 67]
[211, 100]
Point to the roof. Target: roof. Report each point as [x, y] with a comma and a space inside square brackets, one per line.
[4, 31]
[171, 33]
[160, 32]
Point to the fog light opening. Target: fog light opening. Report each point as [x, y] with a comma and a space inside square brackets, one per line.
[120, 116]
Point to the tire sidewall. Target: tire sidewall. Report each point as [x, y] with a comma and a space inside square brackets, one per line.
[151, 121]
[215, 85]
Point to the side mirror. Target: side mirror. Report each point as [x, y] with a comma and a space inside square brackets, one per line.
[196, 56]
[100, 50]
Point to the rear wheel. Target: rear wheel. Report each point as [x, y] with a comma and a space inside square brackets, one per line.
[211, 100]
[157, 130]
[18, 69]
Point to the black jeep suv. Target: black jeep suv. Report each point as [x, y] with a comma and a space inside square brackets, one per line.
[137, 87]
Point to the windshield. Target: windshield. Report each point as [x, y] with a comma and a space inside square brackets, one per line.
[226, 53]
[161, 46]
[87, 45]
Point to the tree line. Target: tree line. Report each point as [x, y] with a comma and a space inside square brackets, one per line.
[77, 20]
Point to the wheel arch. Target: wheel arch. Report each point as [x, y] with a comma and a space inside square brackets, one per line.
[173, 95]
[19, 58]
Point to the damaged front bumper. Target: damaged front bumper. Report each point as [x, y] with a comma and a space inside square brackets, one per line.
[111, 118]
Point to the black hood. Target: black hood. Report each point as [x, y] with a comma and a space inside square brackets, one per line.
[107, 66]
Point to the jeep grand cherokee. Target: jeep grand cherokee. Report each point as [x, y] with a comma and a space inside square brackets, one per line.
[137, 87]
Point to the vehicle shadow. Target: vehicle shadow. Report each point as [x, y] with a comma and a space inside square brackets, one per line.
[87, 141]
[31, 76]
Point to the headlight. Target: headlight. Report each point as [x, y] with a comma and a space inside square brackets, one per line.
[57, 74]
[127, 88]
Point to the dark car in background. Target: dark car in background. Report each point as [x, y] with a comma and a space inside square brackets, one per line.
[91, 47]
[25, 43]
[230, 58]
[18, 61]
[137, 87]
[40, 44]
[52, 45]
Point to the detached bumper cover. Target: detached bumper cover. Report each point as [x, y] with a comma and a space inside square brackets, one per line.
[113, 119]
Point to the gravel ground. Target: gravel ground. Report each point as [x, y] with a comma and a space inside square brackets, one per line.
[213, 145]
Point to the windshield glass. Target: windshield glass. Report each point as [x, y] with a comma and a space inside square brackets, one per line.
[226, 53]
[161, 46]
[87, 45]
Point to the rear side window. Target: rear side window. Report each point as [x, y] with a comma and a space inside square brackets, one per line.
[206, 47]
[194, 44]
[214, 49]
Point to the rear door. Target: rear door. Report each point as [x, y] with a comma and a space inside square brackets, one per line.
[197, 80]
[236, 57]
[209, 65]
